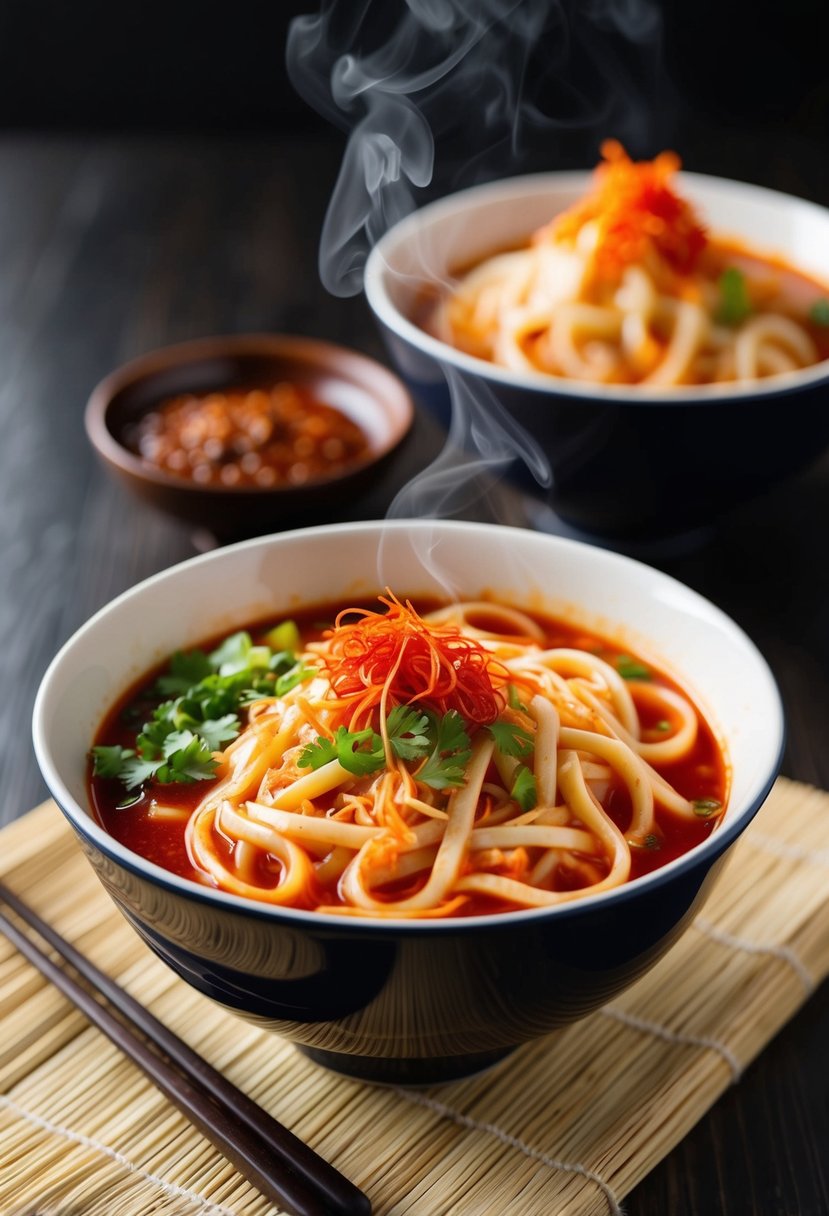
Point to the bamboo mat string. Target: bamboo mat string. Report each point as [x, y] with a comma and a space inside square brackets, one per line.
[169, 1189]
[676, 1037]
[491, 1129]
[733, 942]
[794, 852]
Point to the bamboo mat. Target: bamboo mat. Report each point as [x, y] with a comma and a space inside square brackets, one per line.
[83, 1134]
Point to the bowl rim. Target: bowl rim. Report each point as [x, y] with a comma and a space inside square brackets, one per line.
[411, 226]
[705, 852]
[396, 405]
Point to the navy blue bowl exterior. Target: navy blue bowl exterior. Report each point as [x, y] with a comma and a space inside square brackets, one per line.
[647, 470]
[395, 1005]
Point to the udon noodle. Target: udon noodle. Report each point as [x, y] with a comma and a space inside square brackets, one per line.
[628, 287]
[471, 759]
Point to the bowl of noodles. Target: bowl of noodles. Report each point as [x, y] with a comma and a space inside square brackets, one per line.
[662, 336]
[409, 794]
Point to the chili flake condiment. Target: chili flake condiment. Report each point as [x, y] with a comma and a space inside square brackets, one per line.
[262, 437]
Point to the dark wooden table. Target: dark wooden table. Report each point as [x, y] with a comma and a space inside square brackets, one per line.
[110, 248]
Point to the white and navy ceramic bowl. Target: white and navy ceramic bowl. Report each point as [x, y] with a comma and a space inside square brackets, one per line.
[408, 1001]
[628, 464]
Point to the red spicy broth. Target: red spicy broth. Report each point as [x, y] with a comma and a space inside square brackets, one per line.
[701, 776]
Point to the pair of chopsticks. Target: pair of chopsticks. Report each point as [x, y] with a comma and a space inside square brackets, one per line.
[278, 1164]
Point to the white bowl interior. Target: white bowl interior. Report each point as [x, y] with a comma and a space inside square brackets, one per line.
[645, 610]
[433, 244]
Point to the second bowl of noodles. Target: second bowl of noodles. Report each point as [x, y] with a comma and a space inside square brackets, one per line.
[661, 336]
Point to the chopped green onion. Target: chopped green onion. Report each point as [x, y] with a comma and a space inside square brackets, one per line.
[706, 807]
[735, 303]
[819, 312]
[632, 669]
[514, 700]
[129, 801]
[284, 636]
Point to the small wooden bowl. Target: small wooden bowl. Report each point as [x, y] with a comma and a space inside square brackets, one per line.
[359, 387]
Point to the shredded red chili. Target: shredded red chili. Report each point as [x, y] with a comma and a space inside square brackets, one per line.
[398, 651]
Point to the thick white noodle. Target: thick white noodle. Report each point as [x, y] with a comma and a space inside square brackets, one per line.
[266, 818]
[297, 870]
[690, 327]
[762, 334]
[612, 843]
[546, 750]
[528, 311]
[450, 855]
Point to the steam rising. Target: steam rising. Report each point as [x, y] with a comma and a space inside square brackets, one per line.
[441, 94]
[402, 76]
[483, 441]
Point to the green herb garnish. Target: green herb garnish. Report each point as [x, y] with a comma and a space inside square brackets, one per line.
[632, 669]
[514, 700]
[524, 788]
[512, 740]
[819, 313]
[735, 303]
[706, 807]
[166, 757]
[409, 733]
[651, 842]
[413, 735]
[359, 752]
[662, 725]
[446, 765]
[204, 693]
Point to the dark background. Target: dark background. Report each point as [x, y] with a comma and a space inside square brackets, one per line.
[724, 72]
[160, 180]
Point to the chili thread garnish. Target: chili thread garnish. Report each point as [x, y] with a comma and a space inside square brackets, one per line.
[636, 211]
[397, 656]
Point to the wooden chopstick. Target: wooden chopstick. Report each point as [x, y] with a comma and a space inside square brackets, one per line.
[279, 1164]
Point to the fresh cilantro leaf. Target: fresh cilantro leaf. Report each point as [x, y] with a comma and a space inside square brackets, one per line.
[359, 751]
[446, 766]
[315, 755]
[735, 303]
[136, 770]
[231, 656]
[511, 739]
[407, 728]
[632, 669]
[819, 313]
[217, 731]
[109, 761]
[186, 669]
[187, 759]
[150, 742]
[203, 693]
[524, 789]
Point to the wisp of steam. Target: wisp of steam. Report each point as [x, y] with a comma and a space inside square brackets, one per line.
[407, 79]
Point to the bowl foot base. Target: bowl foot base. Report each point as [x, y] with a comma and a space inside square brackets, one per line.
[379, 1071]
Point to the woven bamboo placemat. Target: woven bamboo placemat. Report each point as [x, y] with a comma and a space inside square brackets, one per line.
[567, 1126]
